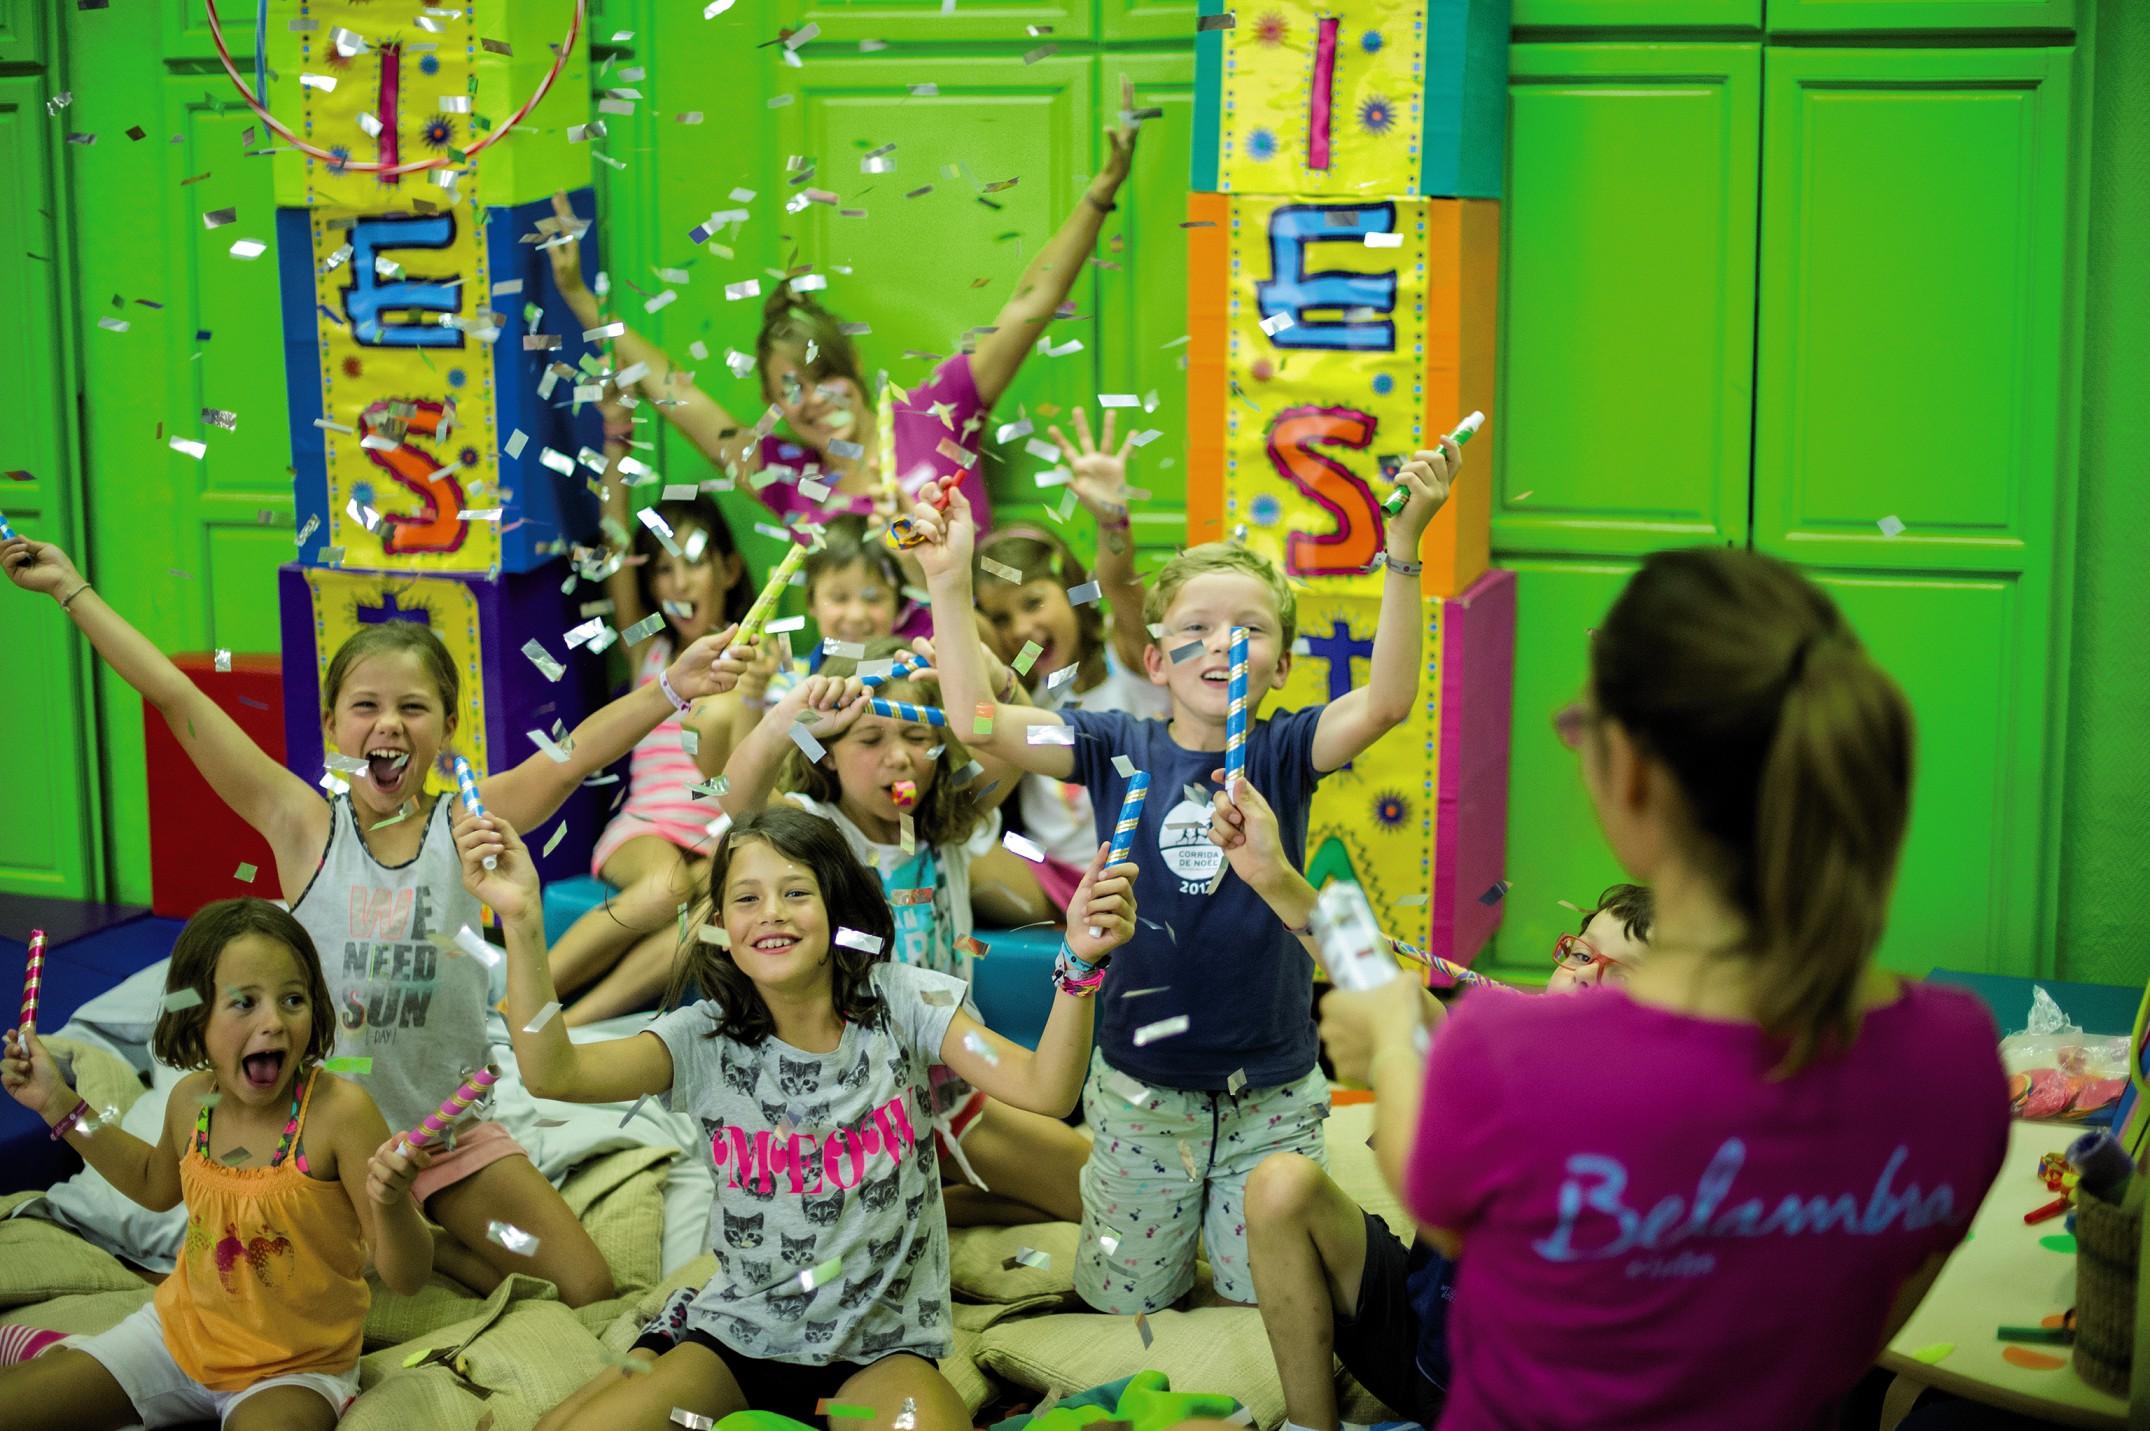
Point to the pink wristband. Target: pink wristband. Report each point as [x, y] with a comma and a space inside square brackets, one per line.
[66, 1125]
[664, 683]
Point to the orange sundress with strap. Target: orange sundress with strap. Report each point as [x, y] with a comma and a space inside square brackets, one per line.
[270, 1280]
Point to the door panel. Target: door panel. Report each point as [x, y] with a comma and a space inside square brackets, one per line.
[1630, 232]
[1811, 16]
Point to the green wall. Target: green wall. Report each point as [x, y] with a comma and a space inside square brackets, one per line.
[1688, 253]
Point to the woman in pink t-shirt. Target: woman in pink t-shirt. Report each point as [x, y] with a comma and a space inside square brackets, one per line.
[1706, 1198]
[811, 372]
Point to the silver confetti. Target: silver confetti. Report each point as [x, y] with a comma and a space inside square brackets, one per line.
[544, 1017]
[1162, 1029]
[513, 1238]
[856, 939]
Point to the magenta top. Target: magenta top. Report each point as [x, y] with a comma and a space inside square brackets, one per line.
[943, 409]
[1657, 1233]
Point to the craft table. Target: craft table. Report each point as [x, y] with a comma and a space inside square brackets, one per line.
[2007, 1273]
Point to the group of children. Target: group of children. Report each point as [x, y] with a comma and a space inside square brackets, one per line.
[1631, 1203]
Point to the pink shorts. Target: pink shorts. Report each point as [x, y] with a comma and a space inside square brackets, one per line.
[477, 1146]
[1058, 879]
[691, 839]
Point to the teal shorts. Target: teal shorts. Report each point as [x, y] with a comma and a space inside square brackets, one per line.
[1170, 1163]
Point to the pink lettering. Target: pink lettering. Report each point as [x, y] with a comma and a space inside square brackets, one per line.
[844, 1149]
[799, 1161]
[755, 1166]
[896, 1134]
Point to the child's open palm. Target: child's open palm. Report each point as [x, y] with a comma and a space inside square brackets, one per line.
[510, 887]
[567, 257]
[1099, 479]
[712, 665]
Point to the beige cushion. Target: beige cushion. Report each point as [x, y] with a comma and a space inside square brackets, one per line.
[527, 1350]
[619, 1197]
[396, 1317]
[81, 1314]
[40, 1260]
[977, 1258]
[101, 1077]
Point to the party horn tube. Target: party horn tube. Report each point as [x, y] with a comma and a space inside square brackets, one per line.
[7, 533]
[33, 978]
[466, 784]
[904, 710]
[884, 421]
[456, 1105]
[905, 667]
[765, 603]
[1235, 720]
[1123, 834]
[1454, 971]
[1465, 431]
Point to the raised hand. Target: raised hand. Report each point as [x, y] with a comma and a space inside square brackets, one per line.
[1099, 473]
[713, 664]
[1101, 912]
[1428, 476]
[39, 566]
[567, 257]
[1242, 824]
[949, 533]
[29, 1075]
[1120, 139]
[511, 886]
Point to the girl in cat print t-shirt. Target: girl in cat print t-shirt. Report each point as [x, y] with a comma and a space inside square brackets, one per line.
[806, 1064]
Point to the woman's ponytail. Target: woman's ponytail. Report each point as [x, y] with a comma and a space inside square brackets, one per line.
[1792, 751]
[1829, 824]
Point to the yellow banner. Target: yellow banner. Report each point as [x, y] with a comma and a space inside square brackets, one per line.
[1373, 821]
[1317, 102]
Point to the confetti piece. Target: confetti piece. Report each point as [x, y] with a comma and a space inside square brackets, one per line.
[217, 218]
[1237, 1082]
[1001, 569]
[1027, 1257]
[857, 939]
[1187, 652]
[249, 248]
[356, 1067]
[1018, 845]
[180, 999]
[1493, 896]
[821, 1274]
[1187, 1161]
[473, 943]
[1933, 1353]
[1891, 526]
[1124, 767]
[2032, 1360]
[508, 1235]
[971, 946]
[1163, 1028]
[692, 1420]
[188, 447]
[1027, 657]
[634, 1110]
[1142, 1323]
[1138, 993]
[810, 747]
[245, 873]
[1108, 1241]
[1084, 594]
[907, 1418]
[844, 1410]
[982, 720]
[544, 1017]
[642, 630]
[2061, 1242]
[235, 1155]
[1050, 735]
[975, 1042]
[550, 669]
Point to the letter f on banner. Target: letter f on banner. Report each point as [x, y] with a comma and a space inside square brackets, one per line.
[1294, 292]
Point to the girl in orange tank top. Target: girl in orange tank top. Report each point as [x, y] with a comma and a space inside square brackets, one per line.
[288, 1173]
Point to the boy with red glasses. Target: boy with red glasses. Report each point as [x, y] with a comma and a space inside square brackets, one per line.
[1330, 1277]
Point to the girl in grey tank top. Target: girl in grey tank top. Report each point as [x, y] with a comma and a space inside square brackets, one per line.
[404, 996]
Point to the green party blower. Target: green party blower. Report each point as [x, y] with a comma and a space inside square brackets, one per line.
[1465, 431]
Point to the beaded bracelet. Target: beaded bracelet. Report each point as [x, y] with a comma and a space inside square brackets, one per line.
[67, 1125]
[1076, 976]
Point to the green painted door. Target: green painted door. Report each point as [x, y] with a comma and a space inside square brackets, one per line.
[190, 555]
[1897, 16]
[1640, 14]
[49, 746]
[1627, 297]
[1912, 316]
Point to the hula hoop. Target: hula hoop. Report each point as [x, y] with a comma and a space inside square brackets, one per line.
[357, 166]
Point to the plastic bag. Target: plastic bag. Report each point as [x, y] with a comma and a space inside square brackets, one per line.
[2056, 1071]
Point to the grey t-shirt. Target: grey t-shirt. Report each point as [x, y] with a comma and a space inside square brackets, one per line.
[821, 1156]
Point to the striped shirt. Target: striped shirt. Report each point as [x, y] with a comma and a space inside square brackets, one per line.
[659, 774]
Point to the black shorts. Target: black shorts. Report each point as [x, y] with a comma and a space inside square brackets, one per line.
[1378, 1342]
[785, 1387]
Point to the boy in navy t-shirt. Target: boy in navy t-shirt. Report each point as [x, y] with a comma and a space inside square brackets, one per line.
[1206, 1051]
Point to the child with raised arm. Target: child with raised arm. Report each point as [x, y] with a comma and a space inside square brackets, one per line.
[371, 874]
[1200, 1081]
[806, 1061]
[288, 1174]
[1330, 1276]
